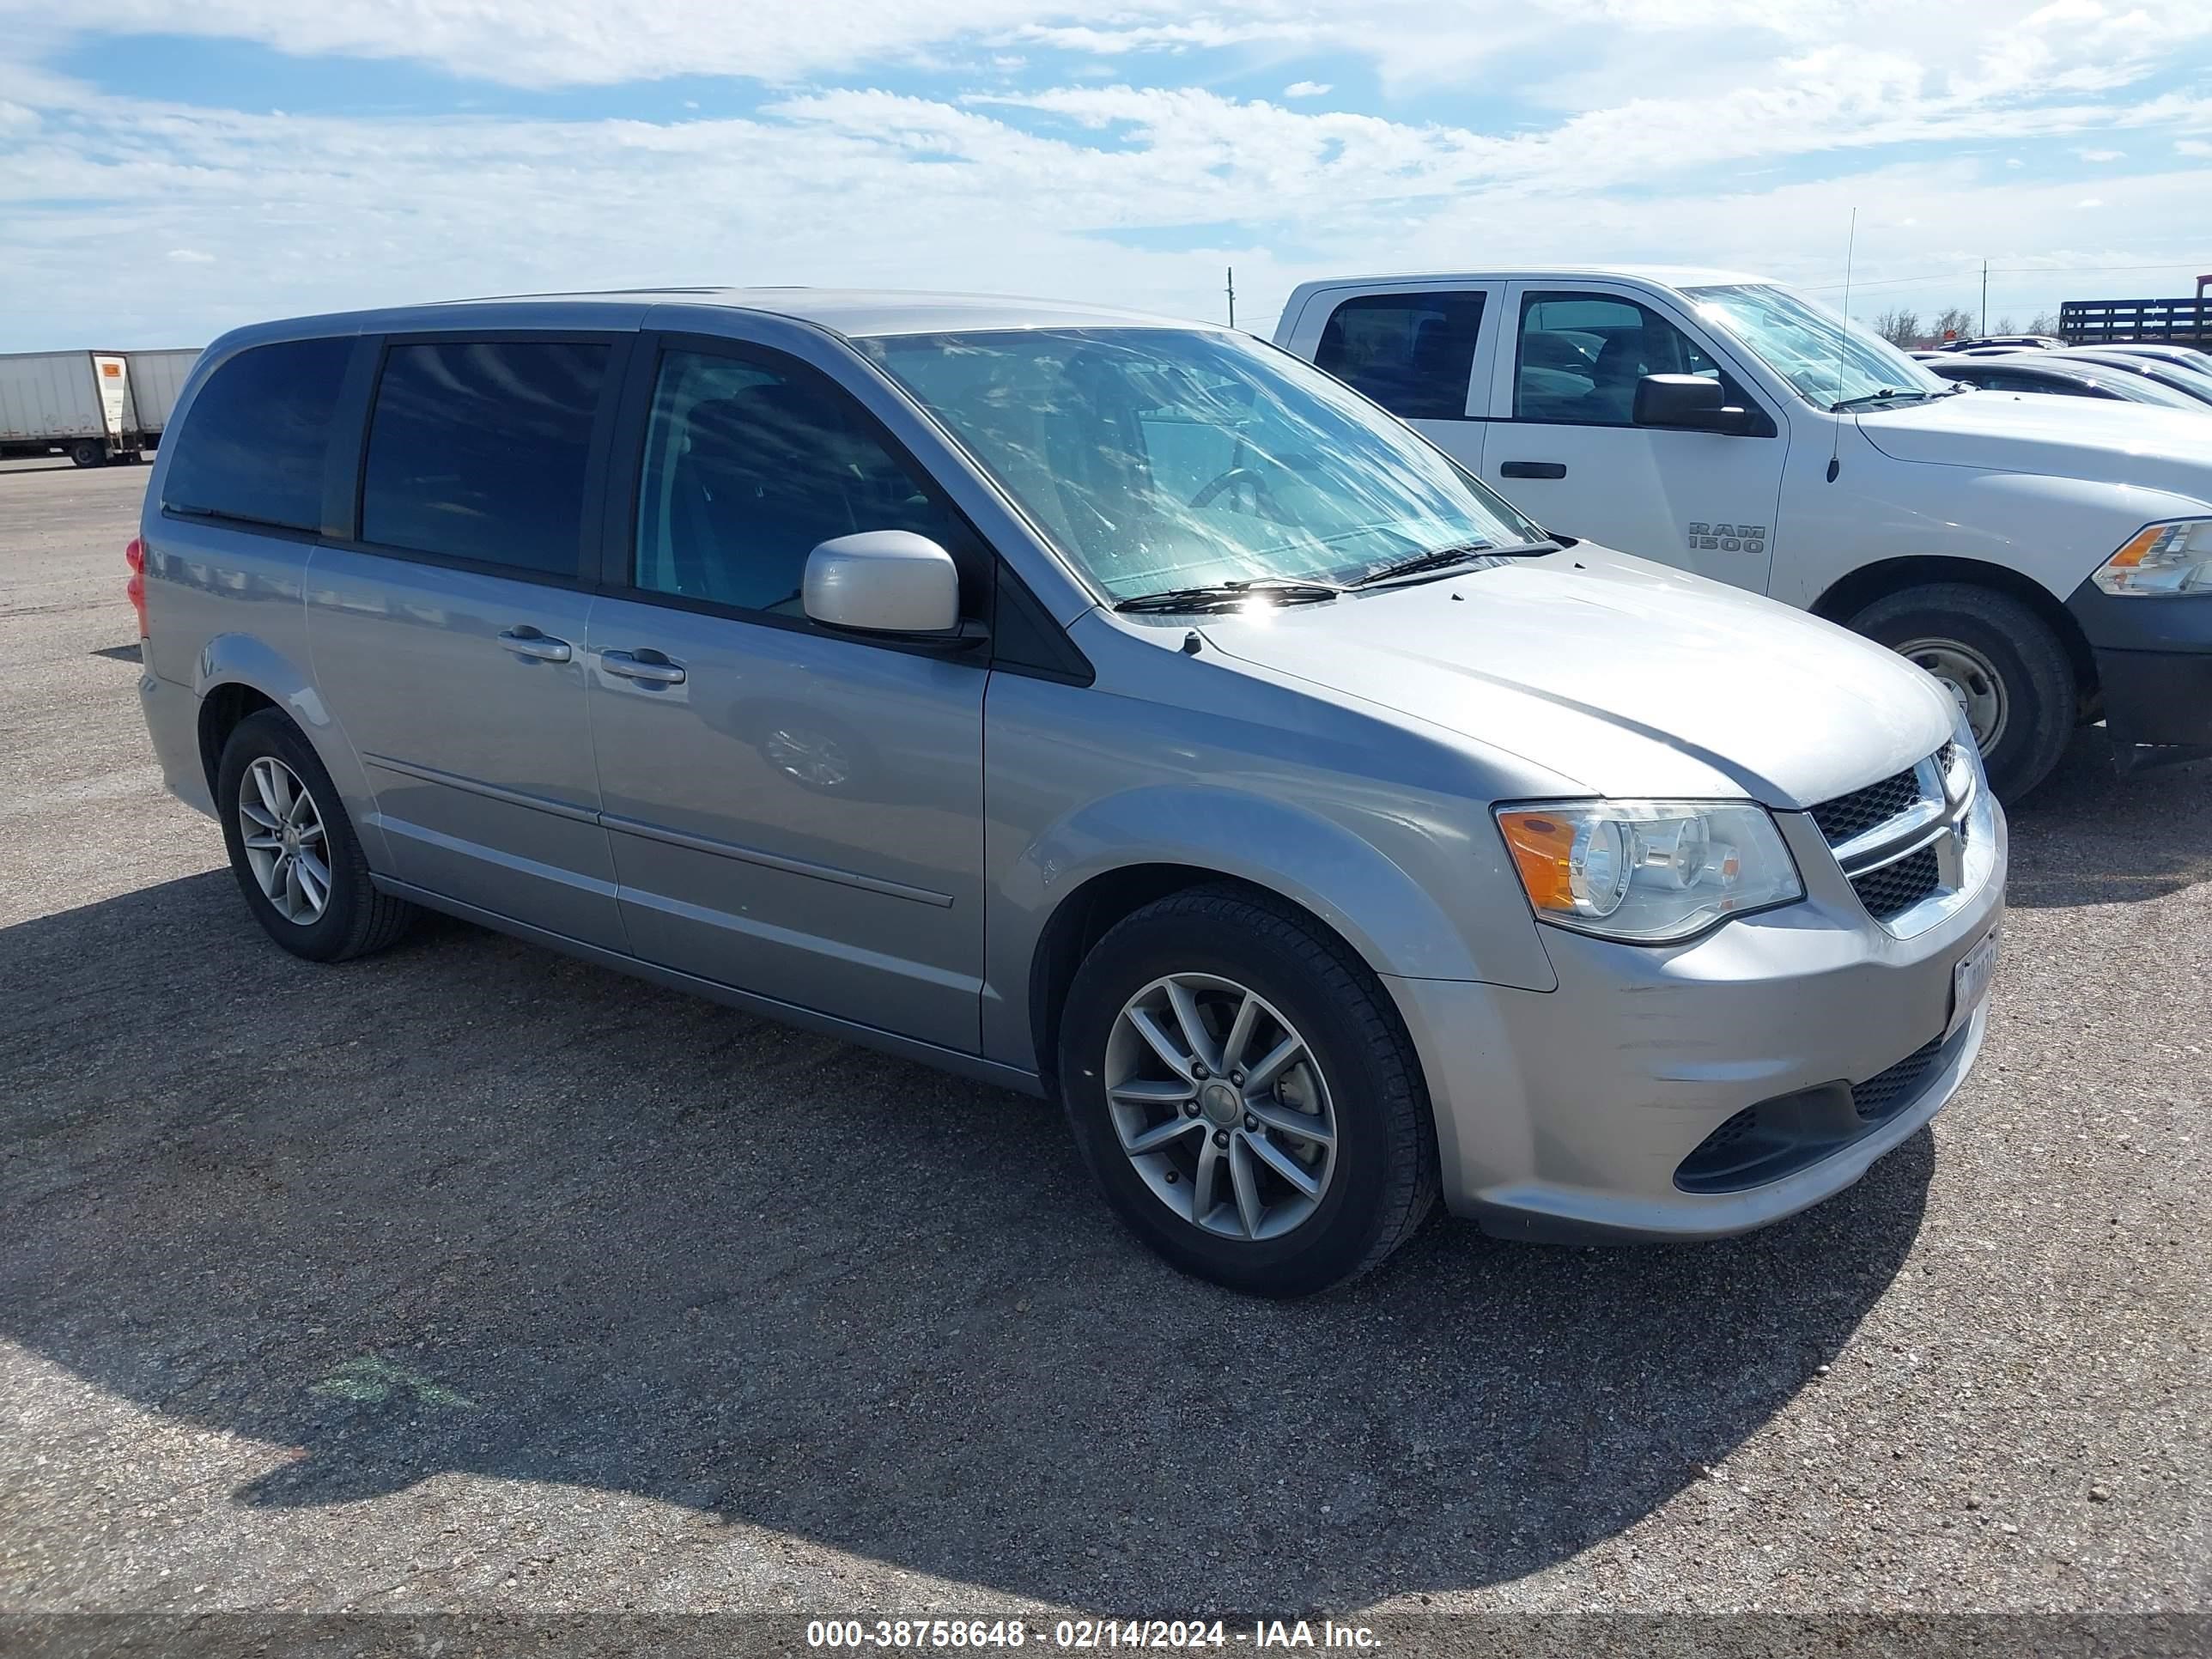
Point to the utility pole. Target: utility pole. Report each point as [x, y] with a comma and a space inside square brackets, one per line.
[1232, 297]
[1986, 299]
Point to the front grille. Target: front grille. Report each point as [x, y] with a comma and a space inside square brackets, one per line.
[1923, 809]
[1896, 888]
[1884, 1092]
[1860, 811]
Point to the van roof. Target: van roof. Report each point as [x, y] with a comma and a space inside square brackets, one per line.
[853, 312]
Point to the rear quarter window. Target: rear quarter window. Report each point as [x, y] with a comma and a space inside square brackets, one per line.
[256, 435]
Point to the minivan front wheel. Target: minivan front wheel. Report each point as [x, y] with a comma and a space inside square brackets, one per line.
[2001, 665]
[1245, 1095]
[293, 849]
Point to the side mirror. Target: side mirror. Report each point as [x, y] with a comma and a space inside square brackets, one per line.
[884, 581]
[1689, 403]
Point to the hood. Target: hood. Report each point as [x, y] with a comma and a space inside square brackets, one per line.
[1622, 677]
[2062, 437]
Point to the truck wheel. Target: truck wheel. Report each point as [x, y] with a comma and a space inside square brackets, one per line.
[2002, 664]
[293, 849]
[1245, 1094]
[88, 452]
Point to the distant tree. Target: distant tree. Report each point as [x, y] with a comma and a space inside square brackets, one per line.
[2043, 322]
[2005, 325]
[1954, 321]
[1899, 327]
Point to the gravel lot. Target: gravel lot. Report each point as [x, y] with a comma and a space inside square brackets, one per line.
[472, 1278]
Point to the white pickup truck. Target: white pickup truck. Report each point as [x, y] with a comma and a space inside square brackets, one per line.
[2048, 559]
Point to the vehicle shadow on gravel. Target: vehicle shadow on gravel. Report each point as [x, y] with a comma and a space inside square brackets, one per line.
[2088, 837]
[472, 1207]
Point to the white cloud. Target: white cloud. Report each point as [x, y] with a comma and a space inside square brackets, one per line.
[1308, 89]
[1124, 191]
[2090, 202]
[2101, 154]
[1999, 45]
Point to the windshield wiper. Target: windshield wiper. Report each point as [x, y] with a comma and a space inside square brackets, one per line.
[1445, 558]
[1226, 596]
[1882, 396]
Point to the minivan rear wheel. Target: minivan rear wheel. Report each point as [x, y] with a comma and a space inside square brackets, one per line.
[294, 850]
[2001, 665]
[1245, 1094]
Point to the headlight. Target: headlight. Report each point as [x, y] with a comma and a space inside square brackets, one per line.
[1962, 767]
[1648, 871]
[2162, 559]
[1978, 830]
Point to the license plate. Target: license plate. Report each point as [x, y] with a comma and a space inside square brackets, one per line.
[1970, 981]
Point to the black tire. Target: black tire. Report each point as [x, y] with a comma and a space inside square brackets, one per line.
[357, 919]
[88, 452]
[2036, 676]
[1384, 1183]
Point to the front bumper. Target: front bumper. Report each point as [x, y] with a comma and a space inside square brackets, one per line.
[1567, 1113]
[2154, 666]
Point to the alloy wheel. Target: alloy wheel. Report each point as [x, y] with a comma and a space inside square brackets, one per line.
[1220, 1106]
[282, 829]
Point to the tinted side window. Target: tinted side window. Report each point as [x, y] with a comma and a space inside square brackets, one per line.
[1581, 355]
[748, 468]
[253, 441]
[1411, 353]
[476, 450]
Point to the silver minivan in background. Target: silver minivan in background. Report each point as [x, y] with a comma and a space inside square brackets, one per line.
[1110, 708]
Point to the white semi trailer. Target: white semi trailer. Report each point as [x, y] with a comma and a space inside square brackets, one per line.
[155, 378]
[80, 402]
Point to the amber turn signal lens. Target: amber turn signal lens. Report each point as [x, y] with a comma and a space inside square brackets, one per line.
[1542, 845]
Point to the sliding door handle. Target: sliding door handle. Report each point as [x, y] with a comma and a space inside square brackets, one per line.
[1532, 468]
[539, 647]
[631, 667]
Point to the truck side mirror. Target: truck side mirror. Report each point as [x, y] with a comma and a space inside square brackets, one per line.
[1689, 403]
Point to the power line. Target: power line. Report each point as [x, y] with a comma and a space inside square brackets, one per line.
[1968, 266]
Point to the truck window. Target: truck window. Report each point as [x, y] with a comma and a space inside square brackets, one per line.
[1581, 355]
[1411, 353]
[253, 443]
[476, 451]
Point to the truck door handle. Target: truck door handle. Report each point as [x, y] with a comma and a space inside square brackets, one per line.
[539, 647]
[632, 667]
[1532, 470]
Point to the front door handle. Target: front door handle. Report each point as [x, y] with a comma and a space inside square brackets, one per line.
[1532, 470]
[637, 668]
[539, 647]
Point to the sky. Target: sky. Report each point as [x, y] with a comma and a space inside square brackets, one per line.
[171, 168]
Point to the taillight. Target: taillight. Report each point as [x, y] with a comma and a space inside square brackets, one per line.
[135, 589]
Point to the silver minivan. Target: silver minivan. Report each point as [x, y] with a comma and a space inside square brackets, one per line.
[1110, 708]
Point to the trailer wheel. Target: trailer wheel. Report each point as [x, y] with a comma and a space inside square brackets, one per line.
[88, 452]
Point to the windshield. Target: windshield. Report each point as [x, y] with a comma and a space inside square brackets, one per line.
[1825, 360]
[2193, 384]
[1169, 458]
[2141, 389]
